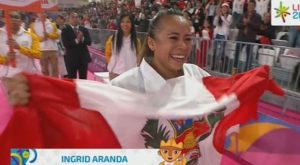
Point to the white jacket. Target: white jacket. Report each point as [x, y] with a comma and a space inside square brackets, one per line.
[144, 79]
[53, 34]
[25, 62]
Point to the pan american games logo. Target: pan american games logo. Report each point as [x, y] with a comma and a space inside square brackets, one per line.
[22, 156]
[282, 12]
[286, 13]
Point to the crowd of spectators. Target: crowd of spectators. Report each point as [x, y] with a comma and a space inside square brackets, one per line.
[103, 15]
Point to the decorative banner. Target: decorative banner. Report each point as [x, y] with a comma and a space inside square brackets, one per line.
[50, 5]
[23, 5]
[19, 5]
[87, 156]
[285, 13]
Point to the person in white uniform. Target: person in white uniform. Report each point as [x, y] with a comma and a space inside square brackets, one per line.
[25, 47]
[47, 34]
[121, 49]
[165, 53]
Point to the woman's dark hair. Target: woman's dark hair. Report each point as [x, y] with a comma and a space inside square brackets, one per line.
[119, 35]
[153, 28]
[220, 21]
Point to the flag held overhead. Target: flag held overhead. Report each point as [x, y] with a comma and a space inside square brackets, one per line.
[21, 5]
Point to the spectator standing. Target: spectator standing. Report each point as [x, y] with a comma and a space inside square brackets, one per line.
[237, 11]
[198, 17]
[207, 31]
[75, 39]
[210, 10]
[249, 26]
[48, 34]
[60, 22]
[181, 4]
[122, 48]
[267, 31]
[222, 24]
[143, 21]
[111, 25]
[206, 35]
[294, 37]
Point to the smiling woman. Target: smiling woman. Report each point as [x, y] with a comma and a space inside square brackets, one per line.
[163, 62]
[169, 43]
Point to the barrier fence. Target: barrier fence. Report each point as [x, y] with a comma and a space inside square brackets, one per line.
[225, 57]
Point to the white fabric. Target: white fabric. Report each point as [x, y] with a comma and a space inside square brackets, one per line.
[124, 60]
[146, 80]
[23, 3]
[262, 7]
[205, 34]
[146, 95]
[49, 44]
[224, 28]
[238, 6]
[3, 40]
[24, 39]
[8, 71]
[60, 59]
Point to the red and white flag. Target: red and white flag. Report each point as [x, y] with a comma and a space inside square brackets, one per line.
[23, 5]
[65, 114]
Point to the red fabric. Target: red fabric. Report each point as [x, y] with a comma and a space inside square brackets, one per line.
[265, 40]
[111, 26]
[202, 53]
[248, 87]
[54, 120]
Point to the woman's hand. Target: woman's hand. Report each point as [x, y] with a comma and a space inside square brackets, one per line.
[17, 89]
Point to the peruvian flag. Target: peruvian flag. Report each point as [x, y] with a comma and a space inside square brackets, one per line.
[23, 5]
[87, 114]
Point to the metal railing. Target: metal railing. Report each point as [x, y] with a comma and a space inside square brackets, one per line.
[225, 57]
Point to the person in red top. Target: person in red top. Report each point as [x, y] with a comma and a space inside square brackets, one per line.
[206, 33]
[181, 4]
[207, 30]
[111, 25]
